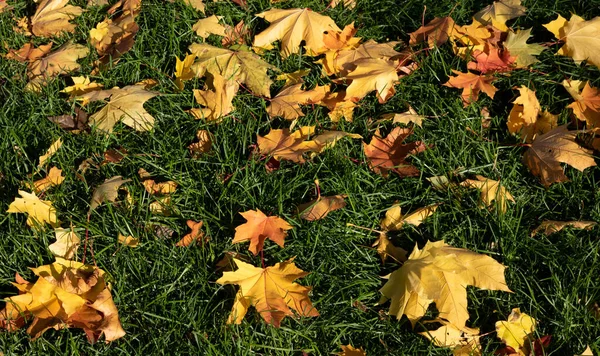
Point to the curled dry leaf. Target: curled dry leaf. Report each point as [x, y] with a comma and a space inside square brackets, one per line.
[390, 154]
[28, 52]
[491, 191]
[196, 235]
[349, 350]
[270, 290]
[549, 227]
[449, 271]
[321, 207]
[38, 211]
[516, 331]
[472, 85]
[527, 117]
[107, 191]
[52, 17]
[260, 227]
[53, 179]
[66, 244]
[209, 26]
[66, 294]
[128, 241]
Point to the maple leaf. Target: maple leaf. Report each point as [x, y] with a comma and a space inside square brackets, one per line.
[467, 38]
[52, 17]
[195, 235]
[491, 59]
[516, 331]
[436, 32]
[385, 249]
[53, 179]
[404, 118]
[38, 211]
[203, 145]
[517, 46]
[372, 74]
[527, 117]
[549, 227]
[463, 341]
[348, 4]
[126, 105]
[287, 102]
[270, 290]
[440, 273]
[394, 220]
[321, 207]
[587, 101]
[549, 150]
[28, 52]
[389, 154]
[499, 12]
[183, 70]
[81, 85]
[209, 26]
[60, 61]
[260, 227]
[339, 107]
[342, 61]
[107, 191]
[472, 85]
[162, 188]
[235, 35]
[581, 37]
[196, 4]
[349, 350]
[240, 66]
[218, 100]
[67, 243]
[128, 241]
[66, 294]
[50, 152]
[491, 190]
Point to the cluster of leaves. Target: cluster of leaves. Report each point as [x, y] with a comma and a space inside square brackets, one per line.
[74, 294]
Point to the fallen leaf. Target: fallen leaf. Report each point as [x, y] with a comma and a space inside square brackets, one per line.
[385, 249]
[339, 107]
[372, 74]
[491, 59]
[203, 145]
[162, 206]
[183, 70]
[587, 101]
[516, 331]
[587, 352]
[270, 290]
[319, 208]
[344, 60]
[236, 35]
[349, 350]
[162, 188]
[394, 220]
[61, 61]
[196, 4]
[81, 85]
[260, 227]
[129, 241]
[581, 38]
[472, 85]
[66, 244]
[348, 4]
[293, 78]
[499, 12]
[217, 101]
[107, 191]
[114, 156]
[549, 227]
[50, 152]
[390, 154]
[404, 118]
[292, 27]
[440, 273]
[491, 191]
[549, 150]
[38, 211]
[71, 123]
[287, 103]
[527, 117]
[114, 37]
[126, 105]
[28, 52]
[195, 235]
[53, 179]
[517, 46]
[209, 26]
[463, 341]
[52, 17]
[436, 32]
[4, 6]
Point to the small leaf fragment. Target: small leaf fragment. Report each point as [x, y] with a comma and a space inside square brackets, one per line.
[128, 241]
[321, 207]
[196, 235]
[107, 191]
[516, 331]
[549, 227]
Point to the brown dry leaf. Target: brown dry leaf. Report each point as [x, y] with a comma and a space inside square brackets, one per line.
[53, 179]
[66, 294]
[270, 290]
[183, 70]
[66, 244]
[516, 44]
[372, 74]
[128, 241]
[389, 154]
[260, 227]
[28, 52]
[394, 220]
[321, 207]
[385, 249]
[209, 26]
[549, 227]
[50, 152]
[499, 12]
[516, 332]
[581, 38]
[38, 211]
[81, 85]
[217, 101]
[404, 118]
[349, 350]
[75, 124]
[549, 150]
[203, 145]
[491, 191]
[436, 32]
[240, 66]
[196, 235]
[464, 342]
[292, 27]
[61, 61]
[587, 101]
[114, 156]
[527, 117]
[440, 273]
[472, 85]
[52, 17]
[126, 105]
[107, 191]
[287, 103]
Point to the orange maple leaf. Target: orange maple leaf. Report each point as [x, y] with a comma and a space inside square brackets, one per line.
[472, 85]
[260, 227]
[389, 154]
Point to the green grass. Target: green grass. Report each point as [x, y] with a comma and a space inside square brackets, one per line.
[167, 297]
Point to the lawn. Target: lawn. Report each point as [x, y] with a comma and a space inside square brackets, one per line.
[167, 296]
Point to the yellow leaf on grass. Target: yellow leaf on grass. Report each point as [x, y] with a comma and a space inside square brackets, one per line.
[287, 102]
[499, 12]
[394, 220]
[321, 207]
[53, 178]
[581, 38]
[349, 350]
[209, 26]
[587, 101]
[516, 331]
[372, 74]
[81, 85]
[217, 100]
[464, 342]
[196, 4]
[491, 191]
[472, 85]
[129, 241]
[270, 290]
[516, 44]
[183, 70]
[50, 152]
[52, 17]
[107, 191]
[549, 227]
[38, 211]
[404, 118]
[385, 249]
[260, 227]
[154, 188]
[61, 61]
[527, 117]
[66, 245]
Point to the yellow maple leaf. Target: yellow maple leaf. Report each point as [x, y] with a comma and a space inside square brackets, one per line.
[217, 101]
[587, 101]
[61, 61]
[183, 70]
[581, 37]
[52, 17]
[527, 118]
[66, 244]
[499, 12]
[53, 178]
[516, 331]
[463, 341]
[372, 74]
[394, 220]
[50, 152]
[270, 290]
[287, 102]
[516, 44]
[39, 211]
[209, 26]
[129, 241]
[81, 85]
[491, 190]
